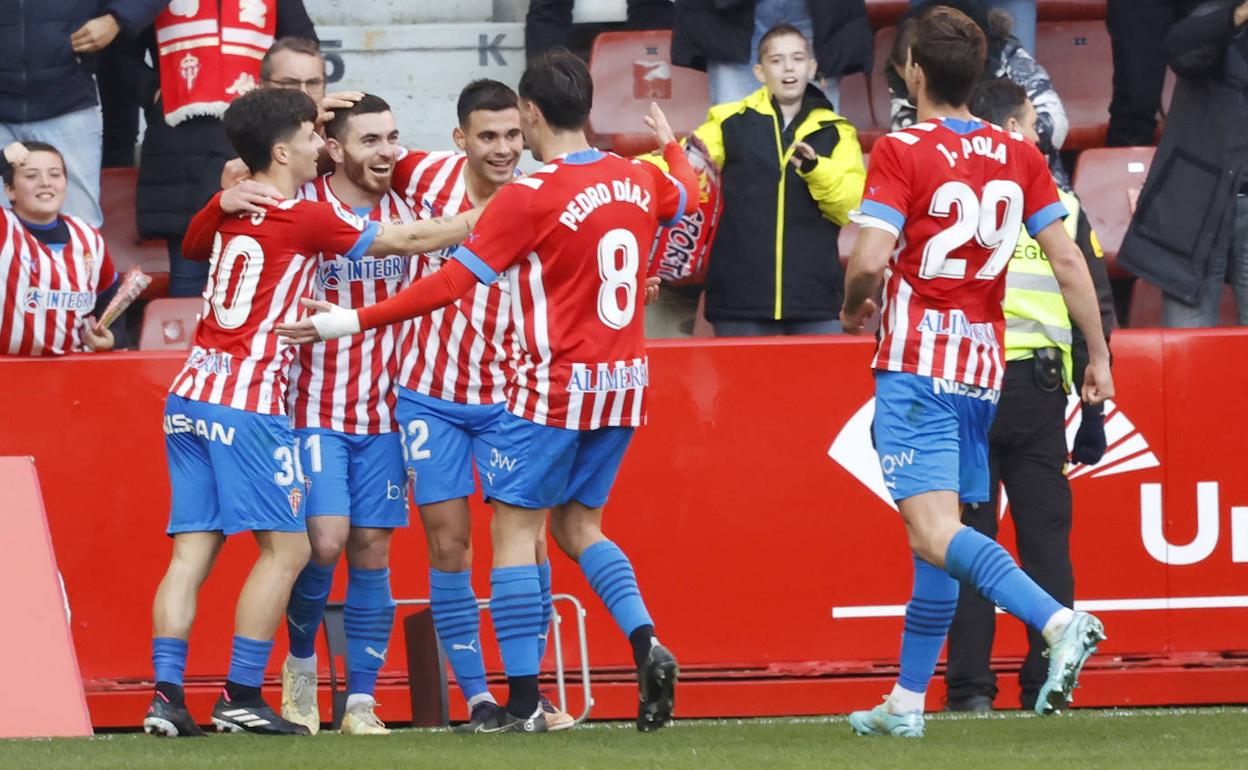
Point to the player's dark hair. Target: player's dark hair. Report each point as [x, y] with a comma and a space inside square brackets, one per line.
[336, 128]
[998, 100]
[780, 30]
[293, 44]
[558, 82]
[11, 172]
[952, 51]
[259, 119]
[485, 94]
[902, 40]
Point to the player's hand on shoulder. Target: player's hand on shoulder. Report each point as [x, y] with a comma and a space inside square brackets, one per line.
[97, 338]
[656, 121]
[1098, 383]
[249, 197]
[16, 154]
[339, 100]
[235, 171]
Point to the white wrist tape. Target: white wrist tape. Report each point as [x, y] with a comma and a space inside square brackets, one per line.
[335, 323]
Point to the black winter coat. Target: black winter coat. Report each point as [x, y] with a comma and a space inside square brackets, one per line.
[40, 75]
[180, 166]
[1186, 211]
[721, 30]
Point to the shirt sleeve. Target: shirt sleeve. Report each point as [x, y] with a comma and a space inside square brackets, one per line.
[886, 198]
[677, 188]
[1041, 204]
[334, 230]
[504, 234]
[401, 180]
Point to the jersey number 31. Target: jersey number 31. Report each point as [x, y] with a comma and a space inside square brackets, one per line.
[993, 220]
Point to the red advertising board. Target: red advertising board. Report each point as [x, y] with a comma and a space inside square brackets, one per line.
[771, 564]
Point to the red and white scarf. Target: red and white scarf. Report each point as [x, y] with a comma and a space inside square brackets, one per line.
[210, 53]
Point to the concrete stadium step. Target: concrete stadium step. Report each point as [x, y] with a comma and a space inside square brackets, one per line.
[420, 68]
[332, 13]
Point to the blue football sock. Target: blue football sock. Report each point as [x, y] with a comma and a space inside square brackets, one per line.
[516, 607]
[933, 601]
[306, 607]
[981, 563]
[548, 610]
[248, 659]
[367, 618]
[611, 576]
[457, 620]
[169, 659]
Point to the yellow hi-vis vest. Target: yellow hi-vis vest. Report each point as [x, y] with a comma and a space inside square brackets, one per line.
[1035, 313]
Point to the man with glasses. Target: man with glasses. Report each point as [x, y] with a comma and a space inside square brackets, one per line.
[295, 63]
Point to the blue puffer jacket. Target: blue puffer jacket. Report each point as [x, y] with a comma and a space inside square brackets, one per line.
[40, 75]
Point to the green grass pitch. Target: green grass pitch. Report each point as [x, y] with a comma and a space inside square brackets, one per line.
[1176, 738]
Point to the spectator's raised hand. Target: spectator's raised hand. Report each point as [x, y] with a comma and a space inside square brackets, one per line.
[341, 100]
[656, 121]
[249, 196]
[95, 35]
[16, 154]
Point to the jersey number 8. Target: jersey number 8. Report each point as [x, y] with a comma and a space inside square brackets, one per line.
[994, 221]
[618, 258]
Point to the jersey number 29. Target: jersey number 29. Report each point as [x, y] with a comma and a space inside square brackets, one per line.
[993, 220]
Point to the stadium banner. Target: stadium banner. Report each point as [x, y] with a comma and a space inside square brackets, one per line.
[752, 507]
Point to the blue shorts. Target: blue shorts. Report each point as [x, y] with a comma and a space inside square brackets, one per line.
[441, 441]
[537, 466]
[360, 476]
[231, 470]
[932, 435]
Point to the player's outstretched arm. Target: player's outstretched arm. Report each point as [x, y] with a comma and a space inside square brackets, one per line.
[1072, 275]
[439, 289]
[865, 275]
[426, 234]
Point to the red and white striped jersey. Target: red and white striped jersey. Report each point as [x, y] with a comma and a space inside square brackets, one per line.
[461, 352]
[573, 239]
[956, 193]
[348, 384]
[262, 265]
[46, 293]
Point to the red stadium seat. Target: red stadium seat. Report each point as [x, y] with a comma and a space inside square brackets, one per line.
[169, 323]
[1145, 309]
[885, 13]
[865, 98]
[117, 191]
[1107, 181]
[1078, 59]
[1070, 10]
[630, 70]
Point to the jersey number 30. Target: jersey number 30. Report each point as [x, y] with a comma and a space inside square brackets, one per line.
[238, 268]
[994, 221]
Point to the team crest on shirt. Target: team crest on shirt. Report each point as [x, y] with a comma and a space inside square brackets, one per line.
[32, 300]
[331, 274]
[295, 495]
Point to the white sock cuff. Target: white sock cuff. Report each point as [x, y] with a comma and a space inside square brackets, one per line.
[903, 701]
[302, 665]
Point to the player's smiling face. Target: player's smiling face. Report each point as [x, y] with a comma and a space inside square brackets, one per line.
[38, 189]
[368, 151]
[785, 67]
[493, 141]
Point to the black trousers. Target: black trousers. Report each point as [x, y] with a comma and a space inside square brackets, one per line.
[1027, 453]
[1137, 29]
[549, 22]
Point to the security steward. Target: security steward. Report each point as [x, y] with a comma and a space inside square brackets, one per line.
[1045, 357]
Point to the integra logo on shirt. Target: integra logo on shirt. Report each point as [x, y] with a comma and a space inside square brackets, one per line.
[209, 429]
[955, 325]
[210, 361]
[603, 379]
[37, 299]
[334, 273]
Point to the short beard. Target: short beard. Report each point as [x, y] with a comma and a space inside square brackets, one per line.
[360, 176]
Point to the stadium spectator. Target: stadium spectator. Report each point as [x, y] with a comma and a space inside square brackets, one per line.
[1006, 58]
[55, 273]
[1137, 30]
[723, 37]
[1189, 234]
[47, 86]
[548, 23]
[185, 148]
[1045, 356]
[774, 267]
[1023, 12]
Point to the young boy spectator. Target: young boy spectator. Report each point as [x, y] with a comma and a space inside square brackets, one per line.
[792, 171]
